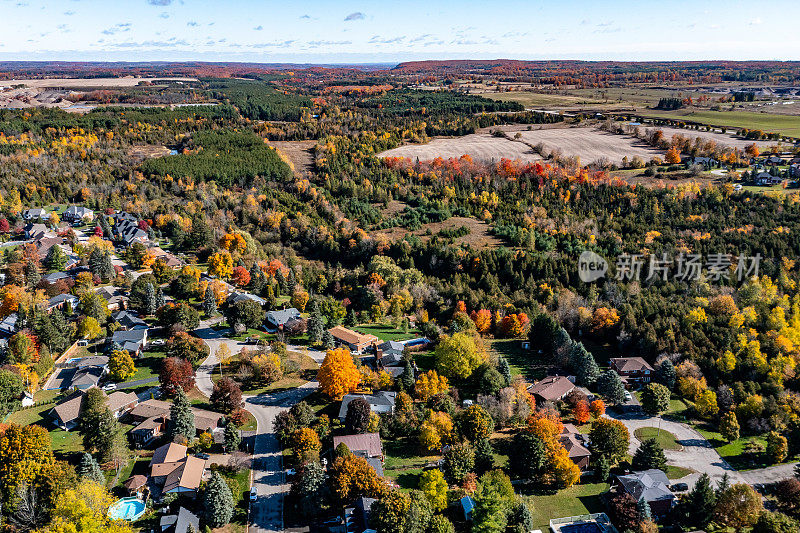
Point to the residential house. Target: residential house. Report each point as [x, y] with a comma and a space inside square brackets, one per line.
[45, 242]
[357, 518]
[67, 412]
[173, 471]
[37, 231]
[133, 340]
[765, 178]
[114, 298]
[390, 353]
[77, 213]
[36, 213]
[356, 342]
[88, 372]
[129, 321]
[55, 277]
[151, 417]
[551, 388]
[60, 301]
[169, 259]
[575, 444]
[183, 522]
[380, 402]
[8, 326]
[128, 231]
[366, 445]
[632, 369]
[652, 486]
[245, 296]
[279, 318]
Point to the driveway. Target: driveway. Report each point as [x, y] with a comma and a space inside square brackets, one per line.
[266, 513]
[697, 453]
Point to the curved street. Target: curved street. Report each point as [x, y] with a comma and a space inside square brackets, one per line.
[266, 513]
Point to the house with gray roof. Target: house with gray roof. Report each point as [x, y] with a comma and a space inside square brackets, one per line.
[380, 402]
[244, 296]
[652, 486]
[129, 321]
[33, 214]
[77, 213]
[133, 340]
[59, 301]
[390, 353]
[278, 318]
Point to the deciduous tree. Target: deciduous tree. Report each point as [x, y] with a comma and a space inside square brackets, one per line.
[338, 374]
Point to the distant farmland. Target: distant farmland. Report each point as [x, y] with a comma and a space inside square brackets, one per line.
[769, 122]
[479, 146]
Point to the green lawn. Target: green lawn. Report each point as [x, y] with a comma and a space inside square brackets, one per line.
[404, 462]
[148, 365]
[304, 370]
[387, 332]
[239, 483]
[678, 409]
[527, 363]
[767, 122]
[576, 500]
[734, 452]
[666, 439]
[677, 472]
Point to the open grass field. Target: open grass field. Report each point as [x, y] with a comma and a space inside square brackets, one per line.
[531, 365]
[479, 235]
[735, 453]
[574, 501]
[387, 332]
[589, 144]
[769, 122]
[666, 439]
[404, 462]
[479, 146]
[300, 153]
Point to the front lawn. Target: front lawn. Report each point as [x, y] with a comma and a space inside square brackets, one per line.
[574, 501]
[664, 438]
[148, 365]
[735, 452]
[677, 472]
[528, 363]
[404, 462]
[299, 368]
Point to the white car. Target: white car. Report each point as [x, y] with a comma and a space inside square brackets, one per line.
[110, 386]
[628, 396]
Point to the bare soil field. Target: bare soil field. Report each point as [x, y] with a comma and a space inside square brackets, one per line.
[300, 153]
[589, 144]
[479, 146]
[722, 139]
[85, 82]
[478, 237]
[148, 151]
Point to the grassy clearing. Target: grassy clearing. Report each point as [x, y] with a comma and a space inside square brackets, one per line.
[783, 124]
[735, 452]
[677, 472]
[303, 368]
[527, 363]
[387, 332]
[664, 438]
[148, 365]
[404, 462]
[576, 500]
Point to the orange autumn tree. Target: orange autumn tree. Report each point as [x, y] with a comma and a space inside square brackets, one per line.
[338, 374]
[581, 412]
[673, 157]
[597, 408]
[483, 320]
[241, 277]
[561, 471]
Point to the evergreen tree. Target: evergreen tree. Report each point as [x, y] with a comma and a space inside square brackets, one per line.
[291, 282]
[649, 455]
[407, 377]
[56, 259]
[232, 438]
[602, 469]
[107, 271]
[327, 340]
[149, 300]
[316, 328]
[700, 503]
[98, 426]
[505, 370]
[209, 302]
[181, 417]
[32, 275]
[310, 487]
[218, 501]
[160, 300]
[584, 365]
[521, 517]
[90, 469]
[666, 374]
[484, 456]
[350, 319]
[609, 384]
[644, 510]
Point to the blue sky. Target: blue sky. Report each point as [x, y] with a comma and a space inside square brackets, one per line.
[391, 31]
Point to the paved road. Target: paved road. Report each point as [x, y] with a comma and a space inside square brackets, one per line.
[697, 453]
[266, 513]
[771, 474]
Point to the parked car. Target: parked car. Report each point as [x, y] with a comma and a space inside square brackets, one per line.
[253, 494]
[109, 386]
[679, 487]
[291, 472]
[628, 396]
[202, 455]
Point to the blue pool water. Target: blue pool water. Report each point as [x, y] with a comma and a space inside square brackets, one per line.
[126, 509]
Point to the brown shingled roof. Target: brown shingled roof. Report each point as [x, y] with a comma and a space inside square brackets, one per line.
[552, 388]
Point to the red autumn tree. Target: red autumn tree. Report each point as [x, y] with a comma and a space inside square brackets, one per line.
[175, 373]
[581, 412]
[241, 277]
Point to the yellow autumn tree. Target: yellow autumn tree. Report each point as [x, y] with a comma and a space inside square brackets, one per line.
[436, 431]
[305, 444]
[338, 374]
[84, 509]
[221, 265]
[430, 384]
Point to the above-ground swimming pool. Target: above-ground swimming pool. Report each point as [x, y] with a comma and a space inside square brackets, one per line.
[126, 509]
